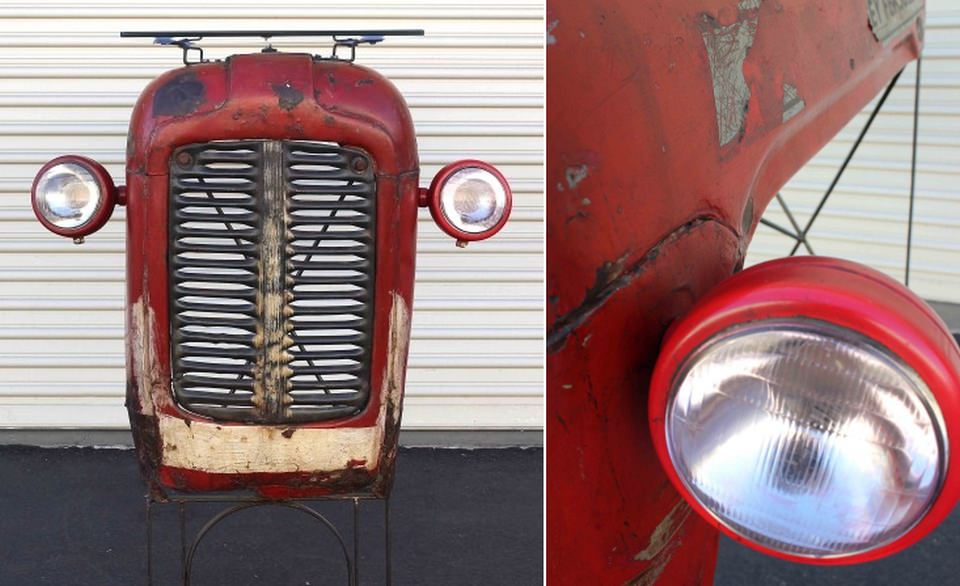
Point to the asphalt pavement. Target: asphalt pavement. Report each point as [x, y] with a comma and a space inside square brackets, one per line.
[76, 516]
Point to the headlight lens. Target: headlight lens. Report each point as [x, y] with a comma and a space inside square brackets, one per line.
[805, 437]
[68, 195]
[473, 200]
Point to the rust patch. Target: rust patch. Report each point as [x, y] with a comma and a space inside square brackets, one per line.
[288, 96]
[615, 275]
[727, 48]
[180, 96]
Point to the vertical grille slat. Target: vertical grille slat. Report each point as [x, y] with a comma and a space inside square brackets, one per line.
[272, 249]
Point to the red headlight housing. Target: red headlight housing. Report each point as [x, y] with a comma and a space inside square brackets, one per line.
[73, 196]
[805, 408]
[470, 200]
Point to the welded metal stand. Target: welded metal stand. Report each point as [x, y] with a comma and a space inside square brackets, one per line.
[188, 550]
[801, 235]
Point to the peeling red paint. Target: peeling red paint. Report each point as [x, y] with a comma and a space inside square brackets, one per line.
[670, 213]
[273, 96]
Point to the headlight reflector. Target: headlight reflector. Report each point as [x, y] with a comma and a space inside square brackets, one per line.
[470, 200]
[73, 196]
[68, 195]
[473, 200]
[833, 434]
[806, 408]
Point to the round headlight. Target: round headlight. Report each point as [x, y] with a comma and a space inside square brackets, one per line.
[470, 200]
[805, 407]
[805, 437]
[73, 196]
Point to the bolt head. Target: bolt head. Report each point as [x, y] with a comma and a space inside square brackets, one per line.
[359, 164]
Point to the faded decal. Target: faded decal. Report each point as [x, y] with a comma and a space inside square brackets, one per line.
[233, 449]
[888, 18]
[727, 48]
[792, 102]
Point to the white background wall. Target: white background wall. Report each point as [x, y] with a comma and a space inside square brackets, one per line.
[866, 217]
[475, 87]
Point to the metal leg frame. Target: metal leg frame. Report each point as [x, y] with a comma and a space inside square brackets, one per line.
[188, 554]
[800, 236]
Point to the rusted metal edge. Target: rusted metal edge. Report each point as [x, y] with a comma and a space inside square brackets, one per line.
[122, 439]
[889, 18]
[614, 276]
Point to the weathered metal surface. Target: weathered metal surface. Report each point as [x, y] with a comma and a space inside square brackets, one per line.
[270, 387]
[180, 96]
[236, 100]
[272, 247]
[672, 125]
[727, 47]
[889, 18]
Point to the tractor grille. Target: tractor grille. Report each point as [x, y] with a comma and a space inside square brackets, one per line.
[271, 259]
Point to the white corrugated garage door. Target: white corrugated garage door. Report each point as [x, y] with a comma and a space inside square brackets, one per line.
[475, 86]
[866, 217]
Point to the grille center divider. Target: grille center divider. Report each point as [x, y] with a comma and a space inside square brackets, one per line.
[271, 256]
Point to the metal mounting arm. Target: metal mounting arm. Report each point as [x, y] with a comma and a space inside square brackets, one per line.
[341, 38]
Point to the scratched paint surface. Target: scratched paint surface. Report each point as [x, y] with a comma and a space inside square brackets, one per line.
[672, 124]
[273, 96]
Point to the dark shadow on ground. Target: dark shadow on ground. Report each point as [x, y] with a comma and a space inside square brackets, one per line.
[76, 517]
